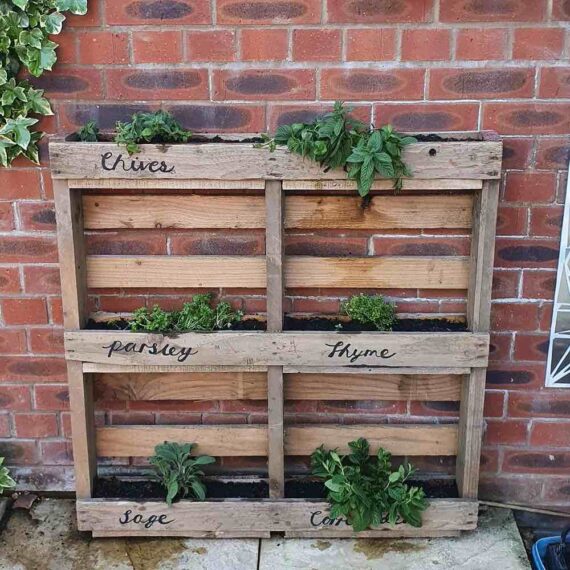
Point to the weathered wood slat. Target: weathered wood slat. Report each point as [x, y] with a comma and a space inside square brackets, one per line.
[300, 271]
[467, 160]
[417, 439]
[221, 441]
[229, 516]
[280, 349]
[253, 386]
[408, 184]
[377, 272]
[384, 212]
[165, 184]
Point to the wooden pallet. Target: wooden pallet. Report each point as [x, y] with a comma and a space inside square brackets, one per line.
[272, 365]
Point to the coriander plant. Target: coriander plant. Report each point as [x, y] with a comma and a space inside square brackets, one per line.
[89, 132]
[178, 471]
[365, 490]
[370, 310]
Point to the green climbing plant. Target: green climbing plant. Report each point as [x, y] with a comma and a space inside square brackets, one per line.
[26, 29]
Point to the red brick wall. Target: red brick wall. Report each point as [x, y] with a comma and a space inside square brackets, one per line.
[244, 66]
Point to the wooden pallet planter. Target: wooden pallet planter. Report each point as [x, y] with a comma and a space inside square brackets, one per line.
[273, 365]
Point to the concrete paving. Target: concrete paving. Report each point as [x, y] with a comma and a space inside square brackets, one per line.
[45, 538]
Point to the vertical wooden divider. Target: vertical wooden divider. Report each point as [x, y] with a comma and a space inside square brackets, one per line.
[74, 298]
[478, 319]
[274, 201]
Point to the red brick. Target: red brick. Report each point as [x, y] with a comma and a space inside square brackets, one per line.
[464, 83]
[521, 490]
[126, 243]
[530, 187]
[55, 310]
[218, 243]
[529, 462]
[322, 306]
[553, 154]
[178, 418]
[316, 45]
[514, 316]
[554, 82]
[12, 341]
[51, 397]
[363, 44]
[15, 398]
[516, 153]
[211, 46]
[220, 118]
[46, 341]
[531, 346]
[157, 47]
[35, 425]
[429, 116]
[545, 317]
[103, 48]
[362, 407]
[120, 304]
[40, 279]
[264, 44]
[6, 217]
[512, 220]
[71, 82]
[157, 84]
[21, 249]
[434, 409]
[500, 346]
[545, 404]
[505, 284]
[19, 183]
[56, 452]
[550, 434]
[150, 12]
[505, 432]
[538, 43]
[132, 418]
[556, 492]
[24, 311]
[527, 118]
[494, 404]
[269, 84]
[19, 452]
[91, 19]
[481, 43]
[257, 12]
[9, 280]
[67, 46]
[310, 244]
[306, 113]
[426, 45]
[37, 216]
[32, 369]
[358, 84]
[374, 12]
[561, 11]
[425, 246]
[546, 221]
[525, 252]
[515, 376]
[538, 284]
[224, 419]
[513, 11]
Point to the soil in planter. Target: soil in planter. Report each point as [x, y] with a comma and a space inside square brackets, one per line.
[195, 139]
[123, 325]
[114, 488]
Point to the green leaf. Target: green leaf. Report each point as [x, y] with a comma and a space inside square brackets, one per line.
[199, 489]
[22, 4]
[74, 6]
[204, 460]
[172, 491]
[54, 22]
[333, 486]
[3, 77]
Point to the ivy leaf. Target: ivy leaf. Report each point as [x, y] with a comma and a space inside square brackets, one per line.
[74, 6]
[5, 142]
[54, 22]
[22, 4]
[3, 77]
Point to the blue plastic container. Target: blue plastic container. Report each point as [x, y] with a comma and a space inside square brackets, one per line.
[539, 550]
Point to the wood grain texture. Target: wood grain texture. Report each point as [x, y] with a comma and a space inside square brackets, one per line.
[220, 441]
[165, 184]
[176, 271]
[229, 516]
[179, 212]
[275, 430]
[377, 272]
[416, 183]
[77, 160]
[280, 349]
[410, 439]
[384, 212]
[274, 255]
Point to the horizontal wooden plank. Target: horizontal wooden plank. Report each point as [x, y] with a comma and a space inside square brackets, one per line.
[372, 387]
[176, 271]
[220, 441]
[417, 439]
[102, 515]
[408, 184]
[377, 272]
[77, 160]
[361, 370]
[193, 211]
[180, 386]
[191, 534]
[383, 350]
[165, 184]
[110, 367]
[300, 271]
[384, 212]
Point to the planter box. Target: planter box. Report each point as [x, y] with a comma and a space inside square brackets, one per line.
[455, 185]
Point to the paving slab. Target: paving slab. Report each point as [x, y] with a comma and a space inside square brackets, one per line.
[46, 538]
[496, 544]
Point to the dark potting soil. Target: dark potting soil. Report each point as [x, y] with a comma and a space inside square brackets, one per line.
[114, 488]
[123, 325]
[196, 139]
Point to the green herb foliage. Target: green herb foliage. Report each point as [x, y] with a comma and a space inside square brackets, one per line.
[89, 132]
[26, 27]
[6, 482]
[157, 127]
[197, 315]
[365, 490]
[178, 471]
[370, 310]
[336, 140]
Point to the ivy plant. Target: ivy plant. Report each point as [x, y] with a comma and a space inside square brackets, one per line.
[6, 482]
[26, 27]
[337, 140]
[178, 471]
[370, 310]
[365, 490]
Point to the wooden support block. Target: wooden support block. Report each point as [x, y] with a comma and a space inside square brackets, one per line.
[275, 422]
